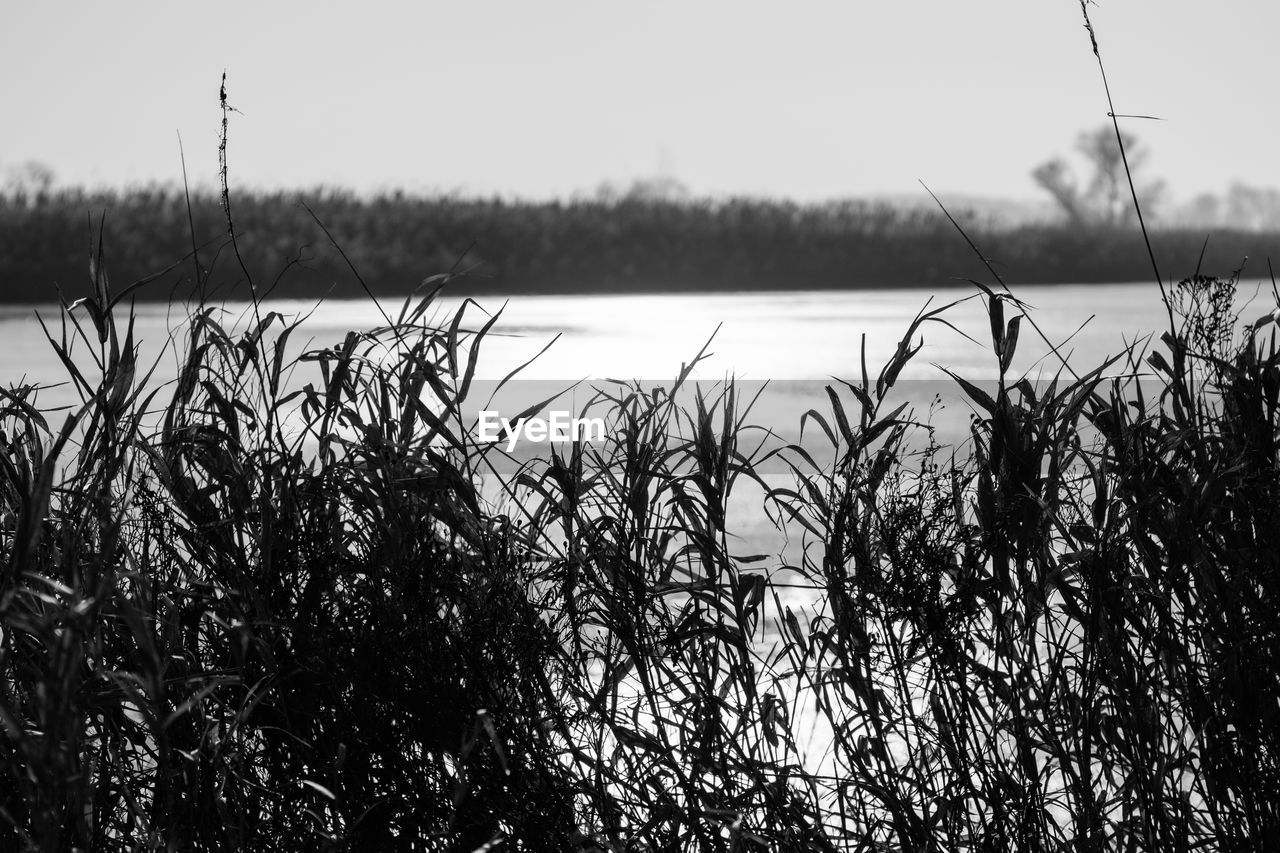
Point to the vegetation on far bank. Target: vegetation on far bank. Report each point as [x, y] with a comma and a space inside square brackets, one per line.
[626, 243]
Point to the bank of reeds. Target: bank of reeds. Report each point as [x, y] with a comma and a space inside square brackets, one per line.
[269, 607]
[582, 246]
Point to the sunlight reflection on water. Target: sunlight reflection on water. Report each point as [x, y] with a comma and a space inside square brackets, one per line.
[776, 335]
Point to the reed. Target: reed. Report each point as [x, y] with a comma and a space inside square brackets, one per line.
[273, 605]
[579, 246]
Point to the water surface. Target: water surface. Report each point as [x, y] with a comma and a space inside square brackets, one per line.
[775, 335]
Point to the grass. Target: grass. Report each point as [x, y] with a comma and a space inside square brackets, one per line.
[267, 606]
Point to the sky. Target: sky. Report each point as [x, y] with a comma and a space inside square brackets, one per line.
[806, 100]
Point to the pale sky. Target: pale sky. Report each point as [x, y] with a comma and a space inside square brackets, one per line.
[808, 100]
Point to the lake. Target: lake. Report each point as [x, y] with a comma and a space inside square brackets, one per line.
[800, 335]
[796, 341]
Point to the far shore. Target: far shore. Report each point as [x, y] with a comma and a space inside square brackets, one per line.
[394, 245]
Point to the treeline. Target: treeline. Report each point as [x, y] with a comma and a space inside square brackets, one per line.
[626, 244]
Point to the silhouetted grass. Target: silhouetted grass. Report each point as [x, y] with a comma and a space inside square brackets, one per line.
[269, 607]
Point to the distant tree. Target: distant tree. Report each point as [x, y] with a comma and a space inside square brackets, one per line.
[657, 188]
[1252, 208]
[1203, 209]
[1103, 199]
[1056, 178]
[1242, 207]
[28, 180]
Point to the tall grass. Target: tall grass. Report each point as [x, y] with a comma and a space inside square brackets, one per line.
[273, 605]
